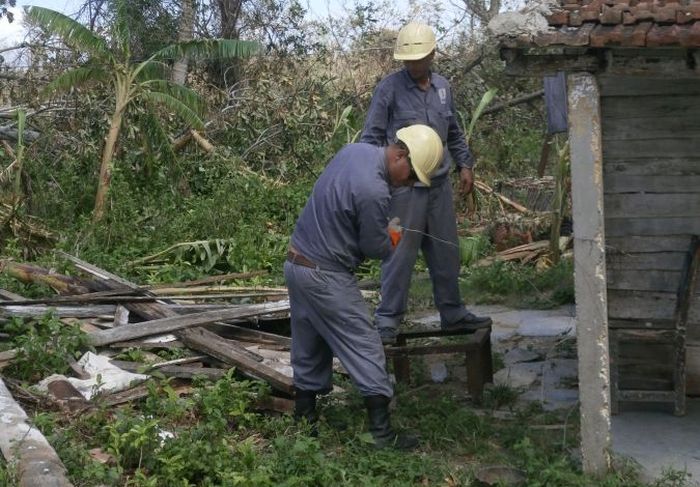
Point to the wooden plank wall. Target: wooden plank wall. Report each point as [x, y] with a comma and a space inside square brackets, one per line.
[651, 163]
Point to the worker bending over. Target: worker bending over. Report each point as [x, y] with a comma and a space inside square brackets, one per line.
[345, 220]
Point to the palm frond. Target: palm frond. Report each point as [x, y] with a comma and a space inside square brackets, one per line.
[175, 105]
[76, 77]
[122, 33]
[156, 138]
[208, 49]
[152, 70]
[71, 31]
[183, 94]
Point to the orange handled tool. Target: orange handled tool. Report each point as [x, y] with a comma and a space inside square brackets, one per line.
[395, 231]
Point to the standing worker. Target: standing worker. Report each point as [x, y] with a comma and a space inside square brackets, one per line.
[415, 95]
[346, 220]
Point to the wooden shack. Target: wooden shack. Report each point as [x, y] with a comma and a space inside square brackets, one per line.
[633, 83]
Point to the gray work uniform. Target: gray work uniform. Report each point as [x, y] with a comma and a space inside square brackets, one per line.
[344, 221]
[398, 102]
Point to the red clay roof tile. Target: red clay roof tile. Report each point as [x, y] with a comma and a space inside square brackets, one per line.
[632, 23]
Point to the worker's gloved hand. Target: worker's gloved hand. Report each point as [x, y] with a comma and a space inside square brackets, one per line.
[395, 231]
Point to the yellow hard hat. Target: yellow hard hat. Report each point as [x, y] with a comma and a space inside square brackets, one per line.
[424, 149]
[415, 41]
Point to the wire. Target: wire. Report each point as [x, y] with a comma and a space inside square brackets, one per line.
[431, 236]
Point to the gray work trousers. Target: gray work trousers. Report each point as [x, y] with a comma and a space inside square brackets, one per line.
[330, 317]
[430, 210]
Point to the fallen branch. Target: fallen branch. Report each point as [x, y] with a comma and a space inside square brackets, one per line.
[486, 189]
[202, 142]
[37, 275]
[515, 101]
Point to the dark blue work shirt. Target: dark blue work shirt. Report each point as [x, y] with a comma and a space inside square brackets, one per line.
[345, 219]
[398, 102]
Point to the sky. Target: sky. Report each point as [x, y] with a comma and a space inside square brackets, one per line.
[12, 33]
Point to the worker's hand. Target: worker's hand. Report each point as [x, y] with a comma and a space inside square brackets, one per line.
[395, 231]
[466, 180]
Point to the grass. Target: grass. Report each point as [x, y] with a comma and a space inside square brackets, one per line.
[217, 438]
[504, 283]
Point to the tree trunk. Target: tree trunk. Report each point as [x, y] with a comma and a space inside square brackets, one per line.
[108, 156]
[225, 71]
[185, 33]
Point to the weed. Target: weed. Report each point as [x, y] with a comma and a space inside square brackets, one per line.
[500, 396]
[44, 346]
[520, 286]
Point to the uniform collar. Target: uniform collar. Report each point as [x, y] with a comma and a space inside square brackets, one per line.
[410, 83]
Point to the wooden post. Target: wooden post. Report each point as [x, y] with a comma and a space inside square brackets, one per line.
[585, 142]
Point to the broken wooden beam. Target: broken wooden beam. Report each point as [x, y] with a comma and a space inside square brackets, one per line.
[21, 311]
[210, 280]
[196, 338]
[179, 322]
[212, 344]
[177, 371]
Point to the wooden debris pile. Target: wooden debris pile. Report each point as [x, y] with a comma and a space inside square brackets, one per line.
[530, 252]
[520, 224]
[196, 317]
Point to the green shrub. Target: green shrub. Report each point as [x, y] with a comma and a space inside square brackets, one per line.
[44, 346]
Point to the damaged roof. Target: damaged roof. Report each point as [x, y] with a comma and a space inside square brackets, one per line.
[609, 23]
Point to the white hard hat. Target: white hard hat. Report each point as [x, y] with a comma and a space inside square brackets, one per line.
[424, 149]
[415, 41]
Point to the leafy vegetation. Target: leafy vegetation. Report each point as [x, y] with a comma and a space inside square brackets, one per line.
[130, 82]
[216, 437]
[44, 346]
[274, 120]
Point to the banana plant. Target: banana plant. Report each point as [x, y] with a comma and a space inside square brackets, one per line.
[111, 66]
[485, 100]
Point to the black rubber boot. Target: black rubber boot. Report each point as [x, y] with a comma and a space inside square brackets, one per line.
[380, 425]
[469, 323]
[305, 409]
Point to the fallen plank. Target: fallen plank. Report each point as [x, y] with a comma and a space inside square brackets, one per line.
[234, 290]
[196, 338]
[179, 322]
[23, 444]
[58, 311]
[177, 371]
[149, 345]
[6, 295]
[256, 336]
[7, 357]
[276, 404]
[210, 280]
[212, 344]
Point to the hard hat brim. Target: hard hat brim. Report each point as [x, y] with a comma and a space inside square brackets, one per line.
[421, 176]
[412, 57]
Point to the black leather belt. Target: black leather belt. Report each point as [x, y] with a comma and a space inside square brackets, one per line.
[299, 259]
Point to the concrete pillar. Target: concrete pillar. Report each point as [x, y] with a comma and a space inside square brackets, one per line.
[585, 143]
[23, 445]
